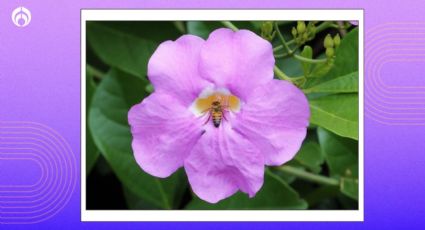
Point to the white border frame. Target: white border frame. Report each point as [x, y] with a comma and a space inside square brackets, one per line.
[217, 15]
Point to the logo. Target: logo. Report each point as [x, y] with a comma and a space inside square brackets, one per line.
[21, 16]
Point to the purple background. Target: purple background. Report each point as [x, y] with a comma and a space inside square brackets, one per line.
[40, 91]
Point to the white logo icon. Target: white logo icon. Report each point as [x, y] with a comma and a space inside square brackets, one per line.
[21, 16]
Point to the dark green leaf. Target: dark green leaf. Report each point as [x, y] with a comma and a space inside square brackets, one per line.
[121, 49]
[310, 156]
[156, 31]
[338, 113]
[344, 84]
[275, 194]
[342, 158]
[114, 96]
[340, 153]
[350, 187]
[91, 151]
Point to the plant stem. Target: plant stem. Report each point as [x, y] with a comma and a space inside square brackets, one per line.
[279, 47]
[95, 72]
[281, 38]
[229, 25]
[281, 55]
[309, 60]
[323, 26]
[308, 176]
[280, 74]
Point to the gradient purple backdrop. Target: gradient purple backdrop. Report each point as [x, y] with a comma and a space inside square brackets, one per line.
[40, 83]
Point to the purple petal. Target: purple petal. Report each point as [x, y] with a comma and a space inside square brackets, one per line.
[238, 61]
[164, 132]
[173, 68]
[221, 163]
[275, 118]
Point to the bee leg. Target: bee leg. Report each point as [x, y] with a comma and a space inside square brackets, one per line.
[209, 118]
[224, 116]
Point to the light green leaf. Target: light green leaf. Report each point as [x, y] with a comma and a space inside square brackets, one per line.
[310, 156]
[338, 113]
[122, 47]
[275, 194]
[91, 151]
[114, 96]
[344, 84]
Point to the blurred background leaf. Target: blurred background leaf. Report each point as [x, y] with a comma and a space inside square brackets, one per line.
[310, 156]
[128, 45]
[91, 151]
[115, 95]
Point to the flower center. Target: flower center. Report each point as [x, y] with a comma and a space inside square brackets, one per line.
[217, 106]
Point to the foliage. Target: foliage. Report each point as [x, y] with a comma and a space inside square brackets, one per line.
[118, 53]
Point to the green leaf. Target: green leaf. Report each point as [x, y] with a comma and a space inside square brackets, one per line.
[310, 156]
[203, 29]
[346, 61]
[344, 84]
[91, 151]
[341, 154]
[350, 187]
[275, 194]
[320, 70]
[347, 56]
[127, 46]
[307, 53]
[290, 66]
[337, 113]
[157, 31]
[114, 96]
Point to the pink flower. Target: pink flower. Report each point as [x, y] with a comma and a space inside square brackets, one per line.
[257, 120]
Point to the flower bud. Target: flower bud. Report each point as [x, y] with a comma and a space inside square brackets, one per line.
[301, 27]
[294, 32]
[267, 30]
[337, 40]
[328, 43]
[267, 27]
[330, 52]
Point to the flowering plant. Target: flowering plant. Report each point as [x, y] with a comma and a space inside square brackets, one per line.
[190, 114]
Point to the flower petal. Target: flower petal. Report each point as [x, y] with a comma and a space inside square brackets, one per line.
[173, 68]
[221, 163]
[164, 132]
[238, 61]
[275, 118]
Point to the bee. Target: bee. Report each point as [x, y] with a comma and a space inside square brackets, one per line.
[217, 112]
